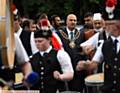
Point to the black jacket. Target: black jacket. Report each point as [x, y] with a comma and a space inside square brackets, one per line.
[77, 83]
[111, 68]
[45, 66]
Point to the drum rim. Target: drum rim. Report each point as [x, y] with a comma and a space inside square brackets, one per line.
[94, 81]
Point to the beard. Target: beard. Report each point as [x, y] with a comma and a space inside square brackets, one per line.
[99, 30]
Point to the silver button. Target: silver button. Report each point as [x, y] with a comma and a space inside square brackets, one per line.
[115, 67]
[114, 82]
[42, 83]
[40, 62]
[113, 89]
[116, 59]
[42, 73]
[119, 69]
[114, 74]
[41, 77]
[42, 86]
[42, 68]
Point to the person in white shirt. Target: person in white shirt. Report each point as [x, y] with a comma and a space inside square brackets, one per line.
[110, 53]
[22, 58]
[26, 37]
[99, 26]
[53, 66]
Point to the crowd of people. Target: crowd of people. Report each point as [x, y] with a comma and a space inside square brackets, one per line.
[64, 56]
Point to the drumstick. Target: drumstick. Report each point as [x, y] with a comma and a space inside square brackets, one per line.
[9, 84]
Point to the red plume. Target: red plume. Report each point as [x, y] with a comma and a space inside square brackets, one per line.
[44, 22]
[14, 9]
[111, 3]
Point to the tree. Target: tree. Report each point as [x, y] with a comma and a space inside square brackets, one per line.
[31, 8]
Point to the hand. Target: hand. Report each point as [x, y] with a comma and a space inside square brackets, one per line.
[88, 49]
[81, 65]
[26, 84]
[57, 75]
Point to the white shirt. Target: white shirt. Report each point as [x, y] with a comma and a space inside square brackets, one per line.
[21, 55]
[99, 55]
[69, 33]
[93, 41]
[32, 41]
[47, 51]
[63, 59]
[118, 43]
[19, 31]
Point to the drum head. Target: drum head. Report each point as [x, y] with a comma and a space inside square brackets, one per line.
[96, 78]
[6, 34]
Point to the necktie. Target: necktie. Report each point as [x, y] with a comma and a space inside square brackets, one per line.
[115, 45]
[45, 54]
[71, 35]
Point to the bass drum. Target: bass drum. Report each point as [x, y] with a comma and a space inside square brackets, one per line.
[6, 35]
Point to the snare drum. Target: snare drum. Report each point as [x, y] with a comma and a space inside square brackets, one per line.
[6, 34]
[95, 81]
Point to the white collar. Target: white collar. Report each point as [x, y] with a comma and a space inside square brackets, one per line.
[113, 38]
[107, 34]
[68, 31]
[19, 31]
[46, 51]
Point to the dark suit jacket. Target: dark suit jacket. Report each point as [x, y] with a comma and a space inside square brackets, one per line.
[77, 83]
[25, 38]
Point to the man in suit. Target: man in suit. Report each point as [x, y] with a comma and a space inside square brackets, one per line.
[71, 39]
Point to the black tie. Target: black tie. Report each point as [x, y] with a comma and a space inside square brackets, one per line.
[115, 45]
[45, 54]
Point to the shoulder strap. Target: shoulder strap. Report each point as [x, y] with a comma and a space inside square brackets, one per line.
[102, 36]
